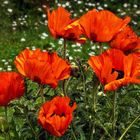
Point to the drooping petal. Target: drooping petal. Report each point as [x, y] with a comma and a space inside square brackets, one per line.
[57, 21]
[126, 40]
[114, 85]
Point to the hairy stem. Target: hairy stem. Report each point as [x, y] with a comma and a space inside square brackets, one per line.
[106, 131]
[101, 47]
[53, 138]
[6, 116]
[94, 98]
[40, 92]
[83, 78]
[114, 115]
[30, 125]
[94, 93]
[131, 124]
[91, 136]
[64, 87]
[74, 136]
[64, 57]
[64, 49]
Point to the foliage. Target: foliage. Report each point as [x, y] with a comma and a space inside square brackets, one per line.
[25, 27]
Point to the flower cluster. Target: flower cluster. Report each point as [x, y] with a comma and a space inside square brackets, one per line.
[116, 67]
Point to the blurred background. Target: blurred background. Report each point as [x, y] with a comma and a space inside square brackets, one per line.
[23, 24]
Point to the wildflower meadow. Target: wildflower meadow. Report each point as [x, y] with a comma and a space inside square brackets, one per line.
[69, 70]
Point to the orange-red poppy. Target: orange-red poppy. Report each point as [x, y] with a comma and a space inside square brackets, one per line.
[126, 40]
[61, 25]
[102, 25]
[114, 69]
[11, 87]
[42, 67]
[73, 32]
[56, 115]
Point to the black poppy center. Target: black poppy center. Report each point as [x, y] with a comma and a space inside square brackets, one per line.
[37, 79]
[120, 73]
[71, 36]
[61, 114]
[93, 36]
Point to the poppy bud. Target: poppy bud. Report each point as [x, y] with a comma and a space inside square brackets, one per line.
[75, 71]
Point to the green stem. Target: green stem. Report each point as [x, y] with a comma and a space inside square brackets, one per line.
[106, 131]
[53, 138]
[102, 138]
[91, 136]
[114, 115]
[74, 136]
[84, 85]
[67, 84]
[83, 78]
[64, 87]
[64, 49]
[101, 47]
[129, 127]
[94, 94]
[6, 116]
[6, 113]
[94, 100]
[64, 57]
[41, 92]
[36, 136]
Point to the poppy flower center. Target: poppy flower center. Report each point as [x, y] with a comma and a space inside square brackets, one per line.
[120, 73]
[59, 114]
[58, 36]
[71, 36]
[93, 36]
[37, 79]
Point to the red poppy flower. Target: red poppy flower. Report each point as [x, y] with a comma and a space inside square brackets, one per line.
[42, 67]
[11, 87]
[56, 115]
[73, 32]
[102, 25]
[114, 69]
[126, 40]
[61, 25]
